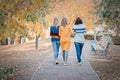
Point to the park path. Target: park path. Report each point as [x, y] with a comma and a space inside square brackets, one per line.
[49, 71]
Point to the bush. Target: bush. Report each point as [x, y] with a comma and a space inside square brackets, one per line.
[5, 72]
[91, 37]
[116, 40]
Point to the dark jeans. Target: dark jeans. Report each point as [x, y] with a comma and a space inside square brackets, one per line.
[78, 47]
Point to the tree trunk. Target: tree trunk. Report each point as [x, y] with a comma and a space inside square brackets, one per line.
[117, 32]
[8, 40]
[0, 42]
[36, 42]
[16, 41]
[22, 40]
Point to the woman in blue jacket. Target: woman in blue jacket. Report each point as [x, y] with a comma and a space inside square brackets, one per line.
[54, 33]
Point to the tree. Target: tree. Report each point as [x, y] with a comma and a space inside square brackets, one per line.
[109, 14]
[17, 14]
[72, 9]
[12, 17]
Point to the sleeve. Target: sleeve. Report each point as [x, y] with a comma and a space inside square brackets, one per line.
[72, 32]
[59, 31]
[85, 31]
[74, 29]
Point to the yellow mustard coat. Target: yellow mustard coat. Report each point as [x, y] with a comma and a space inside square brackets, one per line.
[65, 37]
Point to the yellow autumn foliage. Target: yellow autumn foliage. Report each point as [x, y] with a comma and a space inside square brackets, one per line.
[36, 29]
[68, 8]
[39, 2]
[2, 36]
[72, 9]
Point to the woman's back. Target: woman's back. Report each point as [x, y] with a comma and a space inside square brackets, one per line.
[80, 30]
[65, 32]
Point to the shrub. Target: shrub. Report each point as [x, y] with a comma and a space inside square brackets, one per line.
[5, 72]
[116, 40]
[91, 37]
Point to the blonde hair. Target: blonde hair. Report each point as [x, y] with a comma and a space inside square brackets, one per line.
[64, 22]
[56, 22]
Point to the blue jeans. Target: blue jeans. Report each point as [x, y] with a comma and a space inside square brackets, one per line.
[56, 46]
[65, 56]
[78, 47]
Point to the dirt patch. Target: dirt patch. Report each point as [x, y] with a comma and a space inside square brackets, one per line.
[108, 69]
[25, 57]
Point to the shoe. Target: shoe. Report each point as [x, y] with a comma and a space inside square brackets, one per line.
[56, 63]
[80, 63]
[65, 64]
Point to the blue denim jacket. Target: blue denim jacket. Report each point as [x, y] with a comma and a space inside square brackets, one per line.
[54, 31]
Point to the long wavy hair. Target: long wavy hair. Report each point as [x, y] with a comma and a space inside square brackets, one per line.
[64, 22]
[56, 22]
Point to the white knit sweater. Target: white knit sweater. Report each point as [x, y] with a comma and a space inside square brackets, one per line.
[80, 31]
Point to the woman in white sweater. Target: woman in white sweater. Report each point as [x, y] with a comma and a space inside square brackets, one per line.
[79, 39]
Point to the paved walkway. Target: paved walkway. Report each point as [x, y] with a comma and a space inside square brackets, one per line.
[49, 71]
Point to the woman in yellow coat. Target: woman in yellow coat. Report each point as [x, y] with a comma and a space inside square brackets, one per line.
[65, 32]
